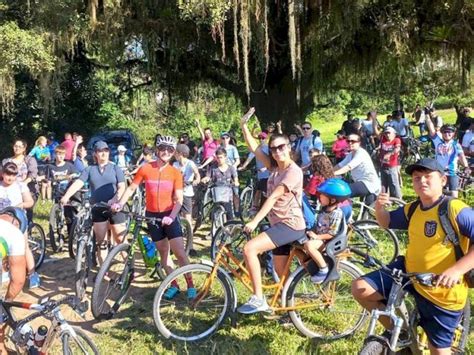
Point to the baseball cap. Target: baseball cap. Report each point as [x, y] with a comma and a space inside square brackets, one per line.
[263, 135]
[425, 163]
[99, 145]
[121, 148]
[223, 134]
[389, 129]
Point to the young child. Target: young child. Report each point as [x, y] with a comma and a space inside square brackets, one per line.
[331, 193]
[224, 177]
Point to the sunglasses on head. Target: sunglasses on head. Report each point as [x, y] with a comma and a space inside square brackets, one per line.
[351, 141]
[166, 148]
[278, 148]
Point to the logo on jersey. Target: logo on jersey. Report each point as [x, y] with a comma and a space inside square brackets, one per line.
[430, 228]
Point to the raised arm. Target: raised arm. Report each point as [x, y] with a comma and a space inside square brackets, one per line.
[430, 125]
[201, 131]
[251, 142]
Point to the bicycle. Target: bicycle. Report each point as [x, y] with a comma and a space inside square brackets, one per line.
[37, 243]
[363, 211]
[57, 220]
[246, 198]
[405, 334]
[83, 211]
[466, 184]
[320, 311]
[118, 270]
[73, 340]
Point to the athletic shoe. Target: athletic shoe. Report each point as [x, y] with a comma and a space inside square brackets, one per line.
[193, 253]
[191, 293]
[320, 276]
[34, 280]
[254, 305]
[171, 292]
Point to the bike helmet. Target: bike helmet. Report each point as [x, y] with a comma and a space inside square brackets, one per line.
[166, 140]
[448, 127]
[20, 216]
[335, 188]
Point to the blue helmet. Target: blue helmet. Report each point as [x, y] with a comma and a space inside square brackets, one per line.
[335, 188]
[20, 216]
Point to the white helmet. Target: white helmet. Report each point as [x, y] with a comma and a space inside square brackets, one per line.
[166, 140]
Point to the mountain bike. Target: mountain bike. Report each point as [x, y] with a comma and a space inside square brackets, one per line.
[37, 243]
[118, 270]
[324, 311]
[246, 198]
[406, 335]
[57, 220]
[61, 337]
[363, 211]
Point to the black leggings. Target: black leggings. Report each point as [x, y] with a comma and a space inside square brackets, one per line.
[360, 190]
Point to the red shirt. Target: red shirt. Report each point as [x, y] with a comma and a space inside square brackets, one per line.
[387, 147]
[69, 145]
[160, 185]
[340, 148]
[209, 148]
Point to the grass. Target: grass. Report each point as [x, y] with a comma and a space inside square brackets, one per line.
[132, 331]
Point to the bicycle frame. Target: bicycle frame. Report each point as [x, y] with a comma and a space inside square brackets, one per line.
[242, 274]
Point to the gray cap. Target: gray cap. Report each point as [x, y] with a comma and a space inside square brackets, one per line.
[99, 145]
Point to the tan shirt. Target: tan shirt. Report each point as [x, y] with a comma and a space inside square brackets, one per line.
[287, 208]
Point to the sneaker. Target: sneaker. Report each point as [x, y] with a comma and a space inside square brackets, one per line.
[254, 305]
[191, 293]
[320, 276]
[34, 280]
[193, 253]
[171, 292]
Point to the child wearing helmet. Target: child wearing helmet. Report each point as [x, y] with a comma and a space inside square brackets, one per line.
[328, 221]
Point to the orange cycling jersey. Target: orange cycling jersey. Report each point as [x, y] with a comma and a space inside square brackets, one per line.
[160, 185]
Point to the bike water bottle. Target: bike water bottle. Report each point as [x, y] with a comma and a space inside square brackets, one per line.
[40, 335]
[149, 251]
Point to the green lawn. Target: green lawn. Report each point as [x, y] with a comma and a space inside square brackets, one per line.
[132, 331]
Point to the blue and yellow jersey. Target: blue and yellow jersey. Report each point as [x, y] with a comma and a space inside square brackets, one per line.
[3, 248]
[428, 249]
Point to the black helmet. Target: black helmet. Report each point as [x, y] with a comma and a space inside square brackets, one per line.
[448, 127]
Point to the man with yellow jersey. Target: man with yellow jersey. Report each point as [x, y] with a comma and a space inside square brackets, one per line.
[428, 250]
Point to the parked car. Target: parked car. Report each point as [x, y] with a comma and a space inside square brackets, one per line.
[114, 138]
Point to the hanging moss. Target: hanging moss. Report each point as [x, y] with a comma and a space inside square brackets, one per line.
[245, 37]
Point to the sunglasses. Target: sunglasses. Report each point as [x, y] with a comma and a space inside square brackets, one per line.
[350, 141]
[225, 137]
[306, 128]
[447, 131]
[280, 148]
[18, 146]
[167, 148]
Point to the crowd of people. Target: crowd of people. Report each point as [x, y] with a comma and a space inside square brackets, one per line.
[363, 162]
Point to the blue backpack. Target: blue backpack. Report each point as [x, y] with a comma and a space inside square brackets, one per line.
[309, 213]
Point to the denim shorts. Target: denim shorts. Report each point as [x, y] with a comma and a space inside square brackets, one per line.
[453, 182]
[438, 323]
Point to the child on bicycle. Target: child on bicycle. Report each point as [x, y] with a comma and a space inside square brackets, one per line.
[224, 177]
[328, 222]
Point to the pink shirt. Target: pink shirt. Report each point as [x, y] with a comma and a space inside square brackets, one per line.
[340, 148]
[288, 207]
[209, 148]
[69, 145]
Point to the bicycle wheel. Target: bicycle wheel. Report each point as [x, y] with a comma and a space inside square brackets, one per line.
[112, 283]
[246, 199]
[187, 234]
[82, 268]
[325, 311]
[56, 236]
[78, 343]
[72, 240]
[232, 234]
[196, 319]
[379, 242]
[37, 243]
[218, 218]
[375, 346]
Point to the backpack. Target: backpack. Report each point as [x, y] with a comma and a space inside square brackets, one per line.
[300, 140]
[443, 213]
[309, 213]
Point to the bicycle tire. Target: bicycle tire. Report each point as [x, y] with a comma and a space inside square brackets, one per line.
[246, 200]
[114, 273]
[82, 269]
[168, 314]
[37, 243]
[187, 234]
[56, 238]
[323, 321]
[232, 232]
[72, 240]
[81, 340]
[374, 346]
[381, 243]
[465, 325]
[218, 218]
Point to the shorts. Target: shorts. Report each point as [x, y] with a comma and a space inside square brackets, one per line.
[103, 214]
[42, 169]
[262, 185]
[438, 323]
[159, 232]
[453, 182]
[282, 236]
[187, 207]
